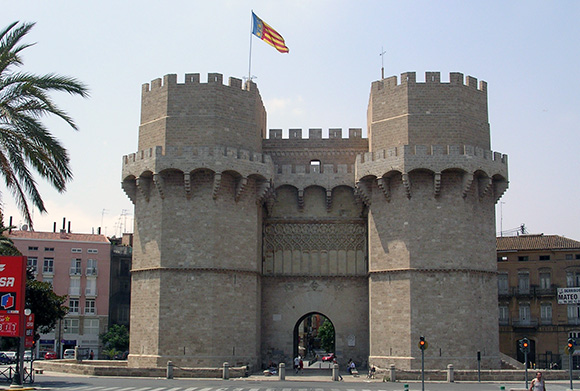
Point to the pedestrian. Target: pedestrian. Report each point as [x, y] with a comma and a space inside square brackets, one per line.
[91, 355]
[538, 383]
[301, 365]
[337, 369]
[297, 364]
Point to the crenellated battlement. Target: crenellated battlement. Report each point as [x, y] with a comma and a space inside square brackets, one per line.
[431, 78]
[315, 133]
[194, 79]
[199, 152]
[432, 150]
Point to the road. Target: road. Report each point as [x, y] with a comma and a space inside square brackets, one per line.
[54, 381]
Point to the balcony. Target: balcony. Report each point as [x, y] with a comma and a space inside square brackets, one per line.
[546, 292]
[75, 271]
[74, 291]
[528, 292]
[504, 322]
[91, 292]
[47, 271]
[92, 271]
[575, 321]
[546, 321]
[525, 323]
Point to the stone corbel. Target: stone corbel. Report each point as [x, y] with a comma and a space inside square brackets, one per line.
[499, 188]
[264, 190]
[406, 184]
[241, 187]
[217, 181]
[486, 184]
[384, 184]
[301, 199]
[143, 186]
[158, 182]
[467, 182]
[187, 184]
[130, 188]
[437, 184]
[363, 192]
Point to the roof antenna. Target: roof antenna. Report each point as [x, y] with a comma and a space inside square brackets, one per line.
[382, 54]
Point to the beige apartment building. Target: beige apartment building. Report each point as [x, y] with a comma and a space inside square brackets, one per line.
[530, 270]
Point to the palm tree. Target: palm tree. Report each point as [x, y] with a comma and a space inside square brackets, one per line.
[26, 145]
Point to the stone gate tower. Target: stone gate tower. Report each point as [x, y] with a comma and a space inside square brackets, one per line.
[196, 185]
[431, 184]
[239, 237]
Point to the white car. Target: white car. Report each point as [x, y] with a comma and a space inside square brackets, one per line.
[27, 355]
[68, 354]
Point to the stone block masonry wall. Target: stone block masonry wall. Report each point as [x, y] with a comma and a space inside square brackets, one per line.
[428, 113]
[238, 237]
[195, 113]
[343, 300]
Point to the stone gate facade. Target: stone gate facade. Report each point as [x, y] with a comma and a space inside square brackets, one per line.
[238, 235]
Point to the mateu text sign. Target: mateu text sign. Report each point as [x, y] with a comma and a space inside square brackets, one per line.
[568, 295]
[12, 291]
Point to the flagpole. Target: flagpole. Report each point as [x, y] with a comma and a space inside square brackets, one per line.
[250, 56]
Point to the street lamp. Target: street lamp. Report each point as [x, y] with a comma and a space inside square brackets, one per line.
[60, 336]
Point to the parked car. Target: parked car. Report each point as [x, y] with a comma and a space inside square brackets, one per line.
[11, 355]
[4, 359]
[328, 357]
[50, 356]
[28, 355]
[68, 354]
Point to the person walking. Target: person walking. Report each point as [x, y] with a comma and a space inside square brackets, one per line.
[297, 364]
[538, 383]
[338, 369]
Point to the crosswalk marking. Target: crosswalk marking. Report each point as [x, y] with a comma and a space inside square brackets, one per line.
[190, 389]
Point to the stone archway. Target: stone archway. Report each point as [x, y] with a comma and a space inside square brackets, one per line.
[314, 333]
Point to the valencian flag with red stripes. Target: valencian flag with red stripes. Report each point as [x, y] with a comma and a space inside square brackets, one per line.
[267, 34]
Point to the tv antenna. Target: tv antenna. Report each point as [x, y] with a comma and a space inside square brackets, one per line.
[382, 54]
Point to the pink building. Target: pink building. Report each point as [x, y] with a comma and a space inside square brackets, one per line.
[77, 265]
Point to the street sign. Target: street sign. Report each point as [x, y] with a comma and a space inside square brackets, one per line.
[12, 292]
[568, 295]
[29, 334]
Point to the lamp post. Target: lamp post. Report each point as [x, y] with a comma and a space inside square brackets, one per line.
[60, 336]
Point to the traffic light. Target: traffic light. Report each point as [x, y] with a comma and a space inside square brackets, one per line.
[422, 343]
[570, 345]
[524, 345]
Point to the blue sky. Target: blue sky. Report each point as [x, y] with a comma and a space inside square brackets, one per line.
[527, 51]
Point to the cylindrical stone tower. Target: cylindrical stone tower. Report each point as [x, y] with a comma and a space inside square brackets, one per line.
[197, 183]
[431, 183]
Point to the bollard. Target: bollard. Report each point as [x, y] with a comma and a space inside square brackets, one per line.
[335, 372]
[450, 373]
[282, 371]
[226, 371]
[169, 373]
[392, 367]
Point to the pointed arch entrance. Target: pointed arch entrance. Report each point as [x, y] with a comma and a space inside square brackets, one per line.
[314, 333]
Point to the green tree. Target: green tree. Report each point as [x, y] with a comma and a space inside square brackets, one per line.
[48, 307]
[326, 335]
[115, 340]
[7, 246]
[25, 143]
